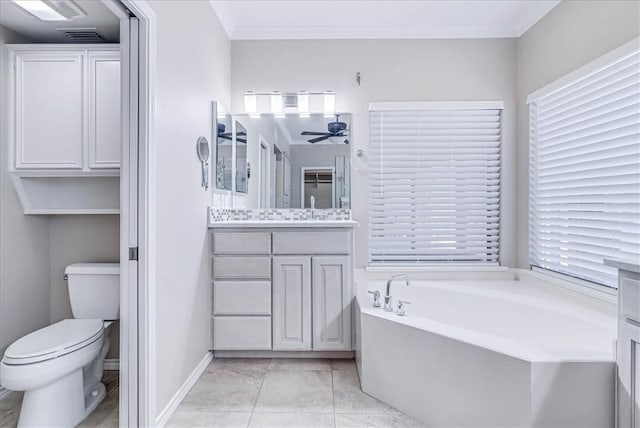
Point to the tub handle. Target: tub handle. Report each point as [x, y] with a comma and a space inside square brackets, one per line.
[401, 312]
[376, 298]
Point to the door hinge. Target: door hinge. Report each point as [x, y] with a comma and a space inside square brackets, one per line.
[133, 253]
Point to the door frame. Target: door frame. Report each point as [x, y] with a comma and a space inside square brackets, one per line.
[264, 159]
[303, 169]
[137, 212]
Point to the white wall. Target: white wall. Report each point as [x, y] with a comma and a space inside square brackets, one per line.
[392, 70]
[193, 57]
[24, 240]
[571, 35]
[80, 239]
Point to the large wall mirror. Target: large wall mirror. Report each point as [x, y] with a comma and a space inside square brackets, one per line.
[295, 160]
[224, 147]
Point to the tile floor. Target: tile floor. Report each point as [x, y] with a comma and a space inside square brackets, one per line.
[297, 393]
[300, 393]
[105, 415]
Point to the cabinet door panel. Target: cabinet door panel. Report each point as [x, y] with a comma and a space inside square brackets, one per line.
[49, 98]
[104, 110]
[331, 304]
[292, 303]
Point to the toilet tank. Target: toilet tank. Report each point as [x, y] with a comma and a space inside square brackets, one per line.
[94, 290]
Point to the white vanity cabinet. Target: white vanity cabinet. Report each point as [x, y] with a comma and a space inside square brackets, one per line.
[311, 303]
[308, 274]
[628, 352]
[65, 107]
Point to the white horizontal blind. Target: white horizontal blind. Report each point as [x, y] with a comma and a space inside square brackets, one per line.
[434, 186]
[585, 173]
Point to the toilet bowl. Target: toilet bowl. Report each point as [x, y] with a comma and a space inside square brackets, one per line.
[59, 367]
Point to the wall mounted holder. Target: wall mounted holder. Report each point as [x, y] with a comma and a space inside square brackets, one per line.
[202, 148]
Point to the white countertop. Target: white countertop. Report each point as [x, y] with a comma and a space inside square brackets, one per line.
[628, 265]
[283, 223]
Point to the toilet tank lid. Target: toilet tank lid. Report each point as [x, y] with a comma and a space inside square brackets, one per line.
[93, 269]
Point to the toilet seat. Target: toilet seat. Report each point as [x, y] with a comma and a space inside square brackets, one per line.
[54, 341]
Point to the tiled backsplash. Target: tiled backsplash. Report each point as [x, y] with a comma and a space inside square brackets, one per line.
[281, 214]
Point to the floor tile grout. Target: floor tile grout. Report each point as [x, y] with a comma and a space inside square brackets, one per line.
[258, 395]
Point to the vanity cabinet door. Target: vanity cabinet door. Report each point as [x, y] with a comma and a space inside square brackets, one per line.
[291, 303]
[331, 303]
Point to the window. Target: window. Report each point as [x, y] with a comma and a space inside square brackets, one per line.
[584, 136]
[434, 183]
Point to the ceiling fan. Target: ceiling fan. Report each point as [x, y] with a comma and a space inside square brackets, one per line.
[335, 129]
[240, 136]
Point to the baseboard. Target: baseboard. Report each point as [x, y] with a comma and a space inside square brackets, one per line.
[112, 364]
[4, 392]
[284, 354]
[182, 392]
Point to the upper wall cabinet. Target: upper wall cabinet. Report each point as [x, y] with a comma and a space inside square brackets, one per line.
[64, 127]
[66, 107]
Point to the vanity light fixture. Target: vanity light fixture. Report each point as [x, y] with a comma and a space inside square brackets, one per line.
[303, 104]
[280, 104]
[50, 10]
[251, 104]
[277, 105]
[329, 104]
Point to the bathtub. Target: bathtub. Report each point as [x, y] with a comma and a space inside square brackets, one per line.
[499, 353]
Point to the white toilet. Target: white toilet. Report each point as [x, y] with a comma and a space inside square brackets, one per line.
[60, 367]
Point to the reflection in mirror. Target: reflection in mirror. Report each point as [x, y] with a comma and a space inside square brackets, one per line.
[294, 158]
[242, 172]
[224, 147]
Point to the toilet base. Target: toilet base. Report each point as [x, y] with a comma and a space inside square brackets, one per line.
[67, 401]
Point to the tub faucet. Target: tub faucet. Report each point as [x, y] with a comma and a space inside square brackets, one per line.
[387, 298]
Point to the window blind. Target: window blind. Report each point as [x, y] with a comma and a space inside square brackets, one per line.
[434, 185]
[585, 172]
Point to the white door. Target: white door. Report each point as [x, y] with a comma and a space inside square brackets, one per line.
[291, 303]
[50, 121]
[104, 110]
[331, 303]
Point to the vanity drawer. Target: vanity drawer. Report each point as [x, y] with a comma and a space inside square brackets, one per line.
[242, 267]
[241, 333]
[321, 242]
[241, 243]
[242, 298]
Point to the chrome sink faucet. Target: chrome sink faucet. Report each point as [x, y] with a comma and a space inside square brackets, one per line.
[387, 297]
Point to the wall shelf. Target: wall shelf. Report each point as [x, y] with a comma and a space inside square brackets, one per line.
[68, 193]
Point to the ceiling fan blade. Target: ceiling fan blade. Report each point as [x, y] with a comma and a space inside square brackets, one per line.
[315, 140]
[314, 133]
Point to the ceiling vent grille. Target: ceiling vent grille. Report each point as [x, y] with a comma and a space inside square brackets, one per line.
[82, 35]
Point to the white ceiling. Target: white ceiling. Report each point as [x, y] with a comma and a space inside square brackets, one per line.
[98, 16]
[378, 19]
